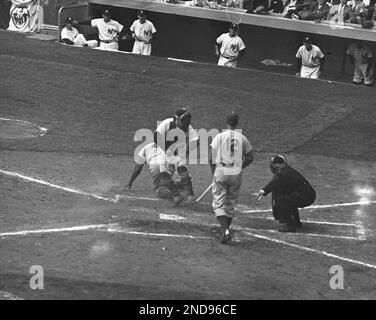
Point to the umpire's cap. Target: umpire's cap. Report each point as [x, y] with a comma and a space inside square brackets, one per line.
[278, 159]
[141, 13]
[232, 119]
[183, 115]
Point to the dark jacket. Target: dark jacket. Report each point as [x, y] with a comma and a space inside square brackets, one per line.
[288, 182]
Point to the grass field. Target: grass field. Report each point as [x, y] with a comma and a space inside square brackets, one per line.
[57, 187]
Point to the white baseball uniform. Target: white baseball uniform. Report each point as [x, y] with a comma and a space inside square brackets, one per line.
[168, 124]
[77, 38]
[154, 157]
[310, 61]
[229, 49]
[361, 68]
[229, 149]
[144, 32]
[108, 31]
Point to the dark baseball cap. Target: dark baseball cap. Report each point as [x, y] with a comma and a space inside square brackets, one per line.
[106, 13]
[232, 119]
[141, 13]
[69, 20]
[234, 26]
[278, 159]
[307, 40]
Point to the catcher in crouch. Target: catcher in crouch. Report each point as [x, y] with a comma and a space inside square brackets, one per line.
[166, 138]
[161, 172]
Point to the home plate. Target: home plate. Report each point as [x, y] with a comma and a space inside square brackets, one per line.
[170, 217]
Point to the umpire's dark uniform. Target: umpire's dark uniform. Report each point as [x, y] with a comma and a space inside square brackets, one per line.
[290, 191]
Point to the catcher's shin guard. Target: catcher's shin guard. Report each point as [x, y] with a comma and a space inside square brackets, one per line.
[164, 186]
[184, 180]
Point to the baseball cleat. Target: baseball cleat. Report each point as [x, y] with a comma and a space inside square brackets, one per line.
[178, 200]
[226, 236]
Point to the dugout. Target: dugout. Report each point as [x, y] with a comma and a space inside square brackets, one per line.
[189, 32]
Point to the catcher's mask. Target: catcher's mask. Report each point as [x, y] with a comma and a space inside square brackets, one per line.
[183, 119]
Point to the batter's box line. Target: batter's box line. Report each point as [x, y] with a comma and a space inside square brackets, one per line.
[117, 198]
[114, 228]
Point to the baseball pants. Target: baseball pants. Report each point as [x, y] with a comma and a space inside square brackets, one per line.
[310, 72]
[225, 192]
[225, 62]
[140, 47]
[81, 41]
[361, 74]
[112, 46]
[285, 207]
[164, 186]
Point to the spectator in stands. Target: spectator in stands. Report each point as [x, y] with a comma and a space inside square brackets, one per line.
[361, 58]
[276, 6]
[310, 60]
[71, 36]
[331, 3]
[369, 19]
[292, 8]
[143, 32]
[229, 47]
[316, 12]
[358, 12]
[235, 4]
[258, 6]
[339, 12]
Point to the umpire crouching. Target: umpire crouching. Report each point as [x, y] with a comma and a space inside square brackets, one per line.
[290, 191]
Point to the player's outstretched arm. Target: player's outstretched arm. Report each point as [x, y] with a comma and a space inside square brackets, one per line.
[136, 172]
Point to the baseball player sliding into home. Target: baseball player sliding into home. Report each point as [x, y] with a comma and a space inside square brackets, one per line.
[167, 137]
[230, 153]
[161, 171]
[143, 32]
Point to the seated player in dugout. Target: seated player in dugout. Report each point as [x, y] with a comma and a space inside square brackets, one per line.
[290, 191]
[161, 171]
[71, 36]
[181, 120]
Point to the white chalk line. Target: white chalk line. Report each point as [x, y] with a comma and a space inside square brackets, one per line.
[312, 250]
[114, 228]
[117, 198]
[56, 230]
[42, 130]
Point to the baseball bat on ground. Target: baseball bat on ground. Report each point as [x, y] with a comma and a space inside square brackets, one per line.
[204, 193]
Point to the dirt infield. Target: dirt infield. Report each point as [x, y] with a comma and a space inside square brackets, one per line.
[57, 190]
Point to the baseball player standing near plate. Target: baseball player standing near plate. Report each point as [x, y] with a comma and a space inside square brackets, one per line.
[142, 32]
[181, 120]
[229, 47]
[230, 153]
[310, 60]
[110, 31]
